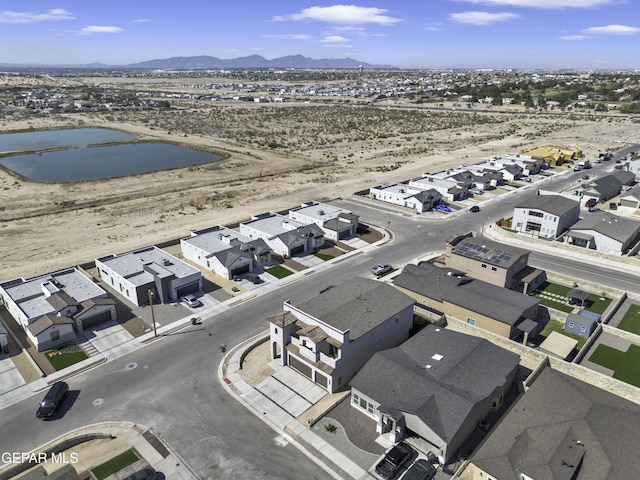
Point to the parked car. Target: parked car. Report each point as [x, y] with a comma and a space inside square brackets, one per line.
[525, 179]
[585, 177]
[381, 269]
[191, 301]
[591, 203]
[474, 209]
[613, 206]
[443, 208]
[421, 470]
[52, 400]
[393, 460]
[253, 278]
[145, 474]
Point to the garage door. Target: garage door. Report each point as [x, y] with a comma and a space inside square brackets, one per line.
[298, 249]
[186, 289]
[240, 270]
[96, 319]
[300, 366]
[321, 380]
[629, 203]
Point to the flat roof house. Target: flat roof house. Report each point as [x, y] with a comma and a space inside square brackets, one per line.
[562, 428]
[449, 188]
[136, 273]
[51, 308]
[492, 262]
[285, 236]
[496, 309]
[329, 337]
[420, 199]
[546, 216]
[336, 223]
[604, 232]
[438, 385]
[224, 251]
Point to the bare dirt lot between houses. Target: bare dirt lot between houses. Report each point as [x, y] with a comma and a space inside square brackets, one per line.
[276, 156]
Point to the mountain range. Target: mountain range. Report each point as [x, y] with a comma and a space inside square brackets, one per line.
[205, 62]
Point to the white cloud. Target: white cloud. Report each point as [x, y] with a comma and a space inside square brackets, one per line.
[342, 14]
[291, 36]
[54, 14]
[433, 27]
[140, 20]
[574, 38]
[91, 29]
[612, 30]
[335, 39]
[482, 18]
[543, 3]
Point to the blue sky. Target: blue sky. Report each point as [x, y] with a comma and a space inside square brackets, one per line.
[585, 34]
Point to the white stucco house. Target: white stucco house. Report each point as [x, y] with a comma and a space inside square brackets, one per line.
[283, 235]
[225, 252]
[336, 223]
[546, 216]
[604, 232]
[451, 190]
[329, 337]
[418, 199]
[52, 308]
[134, 274]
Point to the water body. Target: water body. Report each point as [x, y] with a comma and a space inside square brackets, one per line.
[33, 141]
[104, 162]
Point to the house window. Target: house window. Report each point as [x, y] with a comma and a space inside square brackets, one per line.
[570, 324]
[536, 214]
[370, 408]
[355, 399]
[55, 335]
[484, 265]
[494, 269]
[363, 403]
[583, 328]
[471, 321]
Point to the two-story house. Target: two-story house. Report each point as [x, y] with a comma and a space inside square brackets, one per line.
[336, 223]
[546, 216]
[329, 337]
[492, 262]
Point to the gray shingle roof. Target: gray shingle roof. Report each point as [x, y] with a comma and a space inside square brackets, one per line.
[504, 305]
[439, 375]
[533, 434]
[553, 204]
[605, 223]
[357, 305]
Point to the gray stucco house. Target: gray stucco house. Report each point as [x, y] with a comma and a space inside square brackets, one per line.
[437, 385]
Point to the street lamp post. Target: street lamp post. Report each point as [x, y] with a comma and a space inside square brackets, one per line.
[153, 318]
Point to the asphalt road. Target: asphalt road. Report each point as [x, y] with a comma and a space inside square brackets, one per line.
[172, 385]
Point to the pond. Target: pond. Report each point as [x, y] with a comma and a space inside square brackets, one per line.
[34, 141]
[103, 162]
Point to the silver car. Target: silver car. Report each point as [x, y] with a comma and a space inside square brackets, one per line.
[381, 269]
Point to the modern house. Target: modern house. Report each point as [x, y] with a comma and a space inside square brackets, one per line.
[336, 223]
[546, 216]
[602, 189]
[149, 273]
[631, 198]
[438, 385]
[224, 251]
[604, 232]
[492, 262]
[329, 337]
[450, 189]
[283, 235]
[53, 308]
[562, 428]
[418, 199]
[502, 311]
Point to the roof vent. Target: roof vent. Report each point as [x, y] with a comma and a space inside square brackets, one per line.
[427, 366]
[437, 357]
[437, 329]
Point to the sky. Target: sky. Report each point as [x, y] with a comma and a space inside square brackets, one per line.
[573, 34]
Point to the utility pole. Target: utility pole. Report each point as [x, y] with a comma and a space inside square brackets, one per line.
[153, 318]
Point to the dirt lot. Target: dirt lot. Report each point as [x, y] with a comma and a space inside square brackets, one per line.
[277, 156]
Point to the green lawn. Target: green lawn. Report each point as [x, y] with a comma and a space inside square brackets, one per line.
[555, 296]
[631, 320]
[114, 465]
[557, 326]
[625, 365]
[323, 256]
[279, 271]
[60, 358]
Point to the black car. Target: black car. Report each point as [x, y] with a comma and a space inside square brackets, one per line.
[52, 400]
[474, 209]
[253, 278]
[393, 460]
[145, 474]
[421, 470]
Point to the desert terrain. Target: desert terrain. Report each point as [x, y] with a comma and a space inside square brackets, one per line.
[276, 156]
